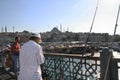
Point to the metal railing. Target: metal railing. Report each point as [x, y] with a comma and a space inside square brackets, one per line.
[64, 67]
[59, 66]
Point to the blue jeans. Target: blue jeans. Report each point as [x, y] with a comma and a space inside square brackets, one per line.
[15, 60]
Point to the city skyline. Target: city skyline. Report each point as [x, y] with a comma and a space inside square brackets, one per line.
[73, 15]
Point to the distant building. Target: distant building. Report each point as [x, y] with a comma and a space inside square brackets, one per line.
[56, 35]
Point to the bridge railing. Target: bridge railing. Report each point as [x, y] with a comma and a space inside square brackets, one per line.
[60, 66]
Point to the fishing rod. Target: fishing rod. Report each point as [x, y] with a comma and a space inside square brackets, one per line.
[112, 43]
[116, 22]
[92, 22]
[87, 39]
[91, 27]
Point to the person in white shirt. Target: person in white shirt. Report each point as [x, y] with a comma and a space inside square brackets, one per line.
[31, 59]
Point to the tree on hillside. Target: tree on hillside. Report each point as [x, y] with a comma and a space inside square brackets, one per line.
[77, 37]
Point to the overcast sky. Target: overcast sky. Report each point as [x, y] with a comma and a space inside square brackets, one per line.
[73, 15]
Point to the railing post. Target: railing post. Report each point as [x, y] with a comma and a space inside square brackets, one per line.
[108, 68]
[104, 64]
[114, 70]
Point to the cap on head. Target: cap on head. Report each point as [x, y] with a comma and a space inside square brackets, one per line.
[35, 35]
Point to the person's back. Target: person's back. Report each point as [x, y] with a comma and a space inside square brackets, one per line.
[31, 56]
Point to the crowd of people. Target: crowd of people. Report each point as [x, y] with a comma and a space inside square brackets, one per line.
[24, 61]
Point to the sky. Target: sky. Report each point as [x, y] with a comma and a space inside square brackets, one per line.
[73, 15]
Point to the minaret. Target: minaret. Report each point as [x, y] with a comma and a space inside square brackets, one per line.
[68, 29]
[2, 30]
[57, 27]
[5, 29]
[63, 30]
[13, 29]
[61, 27]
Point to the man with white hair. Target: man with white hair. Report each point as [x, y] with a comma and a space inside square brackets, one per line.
[31, 58]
